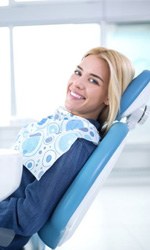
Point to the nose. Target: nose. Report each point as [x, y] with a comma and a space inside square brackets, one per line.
[80, 83]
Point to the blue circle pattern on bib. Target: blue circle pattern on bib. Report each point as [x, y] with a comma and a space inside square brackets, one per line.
[42, 143]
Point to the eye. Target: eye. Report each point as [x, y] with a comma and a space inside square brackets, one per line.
[77, 72]
[92, 80]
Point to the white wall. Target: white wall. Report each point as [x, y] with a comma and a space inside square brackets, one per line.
[75, 12]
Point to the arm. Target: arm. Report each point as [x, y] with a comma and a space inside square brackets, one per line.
[27, 214]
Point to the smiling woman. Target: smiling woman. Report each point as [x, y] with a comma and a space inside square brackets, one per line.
[88, 87]
[102, 75]
[55, 149]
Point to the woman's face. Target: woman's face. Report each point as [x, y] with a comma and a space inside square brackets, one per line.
[87, 90]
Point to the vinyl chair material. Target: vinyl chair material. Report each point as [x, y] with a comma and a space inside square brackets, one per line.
[74, 204]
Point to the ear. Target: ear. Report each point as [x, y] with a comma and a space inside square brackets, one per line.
[106, 101]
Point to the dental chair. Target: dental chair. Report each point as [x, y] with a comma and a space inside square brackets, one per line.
[78, 198]
[74, 204]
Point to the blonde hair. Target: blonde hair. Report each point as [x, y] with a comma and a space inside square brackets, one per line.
[121, 74]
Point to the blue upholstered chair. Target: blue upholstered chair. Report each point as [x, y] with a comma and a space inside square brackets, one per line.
[74, 204]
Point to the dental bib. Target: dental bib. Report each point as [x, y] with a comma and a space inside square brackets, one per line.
[42, 143]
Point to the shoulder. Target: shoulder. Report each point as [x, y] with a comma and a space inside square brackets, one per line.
[83, 146]
[78, 154]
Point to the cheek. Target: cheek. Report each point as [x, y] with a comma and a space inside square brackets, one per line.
[98, 94]
[104, 93]
[70, 82]
[68, 85]
[71, 78]
[100, 98]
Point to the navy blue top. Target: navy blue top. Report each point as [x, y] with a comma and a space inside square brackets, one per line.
[30, 206]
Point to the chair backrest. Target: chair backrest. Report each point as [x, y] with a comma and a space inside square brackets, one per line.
[72, 207]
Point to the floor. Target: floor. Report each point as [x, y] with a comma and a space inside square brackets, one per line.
[119, 217]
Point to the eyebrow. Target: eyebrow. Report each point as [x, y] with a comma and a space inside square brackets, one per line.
[100, 78]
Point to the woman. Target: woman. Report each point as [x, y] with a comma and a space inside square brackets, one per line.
[91, 105]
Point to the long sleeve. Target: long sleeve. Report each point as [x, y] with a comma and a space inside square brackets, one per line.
[29, 207]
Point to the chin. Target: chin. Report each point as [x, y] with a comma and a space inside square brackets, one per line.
[67, 107]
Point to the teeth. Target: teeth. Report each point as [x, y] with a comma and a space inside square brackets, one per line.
[76, 95]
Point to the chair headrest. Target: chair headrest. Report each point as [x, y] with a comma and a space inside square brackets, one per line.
[136, 95]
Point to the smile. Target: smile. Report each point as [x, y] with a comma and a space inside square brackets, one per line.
[77, 96]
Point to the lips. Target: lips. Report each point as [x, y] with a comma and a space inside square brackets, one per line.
[76, 95]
